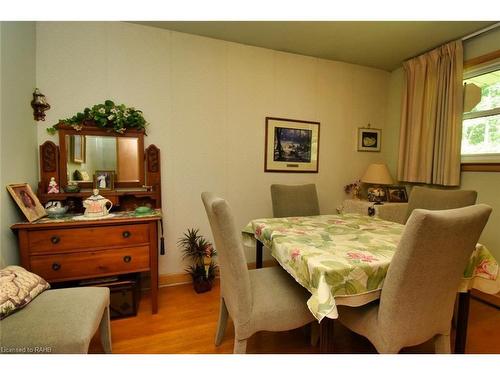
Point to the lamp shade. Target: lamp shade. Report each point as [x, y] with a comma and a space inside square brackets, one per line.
[377, 174]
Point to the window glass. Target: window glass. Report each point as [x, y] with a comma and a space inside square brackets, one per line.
[481, 121]
[490, 90]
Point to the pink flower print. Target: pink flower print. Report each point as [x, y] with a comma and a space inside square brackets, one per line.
[362, 257]
[295, 254]
[258, 230]
[336, 221]
[483, 268]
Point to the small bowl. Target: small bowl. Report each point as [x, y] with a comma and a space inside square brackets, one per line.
[143, 210]
[56, 212]
[72, 189]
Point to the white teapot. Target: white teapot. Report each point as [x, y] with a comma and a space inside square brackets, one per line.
[96, 205]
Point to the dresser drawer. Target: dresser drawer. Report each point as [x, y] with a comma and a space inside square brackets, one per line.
[59, 267]
[71, 239]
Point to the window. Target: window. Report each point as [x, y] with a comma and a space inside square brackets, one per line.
[481, 120]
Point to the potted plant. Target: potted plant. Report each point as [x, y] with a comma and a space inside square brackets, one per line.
[203, 270]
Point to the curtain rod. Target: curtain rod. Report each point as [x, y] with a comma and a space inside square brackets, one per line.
[479, 32]
[473, 35]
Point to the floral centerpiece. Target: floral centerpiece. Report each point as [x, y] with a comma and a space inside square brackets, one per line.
[201, 252]
[353, 189]
[108, 115]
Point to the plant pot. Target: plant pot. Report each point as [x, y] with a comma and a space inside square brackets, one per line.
[202, 285]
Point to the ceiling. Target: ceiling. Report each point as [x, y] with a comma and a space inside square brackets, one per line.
[379, 44]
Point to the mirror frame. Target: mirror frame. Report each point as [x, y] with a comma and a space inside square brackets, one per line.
[65, 130]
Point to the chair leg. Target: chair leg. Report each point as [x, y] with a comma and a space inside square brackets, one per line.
[314, 333]
[442, 344]
[105, 331]
[240, 346]
[222, 323]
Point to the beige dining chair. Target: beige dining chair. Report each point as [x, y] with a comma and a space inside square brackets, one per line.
[266, 299]
[439, 199]
[294, 200]
[417, 299]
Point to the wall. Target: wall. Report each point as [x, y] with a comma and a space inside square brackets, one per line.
[486, 184]
[206, 101]
[18, 140]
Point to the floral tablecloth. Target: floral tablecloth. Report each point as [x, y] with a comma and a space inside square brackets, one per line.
[347, 255]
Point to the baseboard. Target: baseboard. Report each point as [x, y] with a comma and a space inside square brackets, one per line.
[491, 299]
[184, 278]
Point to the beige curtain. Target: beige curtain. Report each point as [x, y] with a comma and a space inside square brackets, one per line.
[431, 120]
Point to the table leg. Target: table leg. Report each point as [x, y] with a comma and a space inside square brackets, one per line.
[258, 254]
[462, 322]
[326, 329]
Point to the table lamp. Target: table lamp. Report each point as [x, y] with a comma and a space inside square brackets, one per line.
[377, 174]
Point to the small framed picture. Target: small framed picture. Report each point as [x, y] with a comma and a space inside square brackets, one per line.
[397, 194]
[291, 145]
[369, 139]
[27, 201]
[104, 180]
[77, 148]
[377, 194]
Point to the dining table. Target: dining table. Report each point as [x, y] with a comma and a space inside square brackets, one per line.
[343, 260]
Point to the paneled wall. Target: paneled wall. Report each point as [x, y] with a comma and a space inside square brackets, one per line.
[18, 137]
[206, 101]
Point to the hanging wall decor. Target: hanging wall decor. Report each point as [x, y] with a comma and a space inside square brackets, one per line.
[291, 145]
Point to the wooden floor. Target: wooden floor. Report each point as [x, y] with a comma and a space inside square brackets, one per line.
[186, 323]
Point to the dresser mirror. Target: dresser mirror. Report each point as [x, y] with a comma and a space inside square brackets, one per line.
[88, 150]
[89, 153]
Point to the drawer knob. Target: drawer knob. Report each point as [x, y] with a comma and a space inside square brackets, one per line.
[127, 258]
[126, 234]
[55, 239]
[56, 266]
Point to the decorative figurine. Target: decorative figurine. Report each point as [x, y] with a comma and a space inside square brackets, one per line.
[39, 105]
[96, 205]
[53, 187]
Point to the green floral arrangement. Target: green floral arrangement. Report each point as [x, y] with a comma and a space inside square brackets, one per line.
[108, 115]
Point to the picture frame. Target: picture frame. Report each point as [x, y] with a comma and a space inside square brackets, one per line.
[377, 194]
[369, 139]
[77, 148]
[397, 193]
[104, 179]
[291, 145]
[27, 201]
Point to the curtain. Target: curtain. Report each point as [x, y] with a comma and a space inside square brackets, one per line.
[431, 119]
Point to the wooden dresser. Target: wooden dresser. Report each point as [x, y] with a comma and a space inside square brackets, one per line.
[70, 249]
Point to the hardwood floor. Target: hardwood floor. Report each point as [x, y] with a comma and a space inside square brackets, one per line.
[186, 323]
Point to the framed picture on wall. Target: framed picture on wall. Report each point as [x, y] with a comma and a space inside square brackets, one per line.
[77, 148]
[27, 201]
[291, 145]
[369, 139]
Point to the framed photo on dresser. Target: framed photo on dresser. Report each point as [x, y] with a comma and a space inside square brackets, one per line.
[27, 201]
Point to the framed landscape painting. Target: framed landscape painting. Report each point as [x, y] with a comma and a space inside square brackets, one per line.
[291, 145]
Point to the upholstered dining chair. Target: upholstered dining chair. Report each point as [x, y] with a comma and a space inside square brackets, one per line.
[266, 299]
[294, 200]
[438, 199]
[416, 302]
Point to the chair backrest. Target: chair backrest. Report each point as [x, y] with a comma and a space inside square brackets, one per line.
[438, 199]
[235, 281]
[294, 200]
[424, 275]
